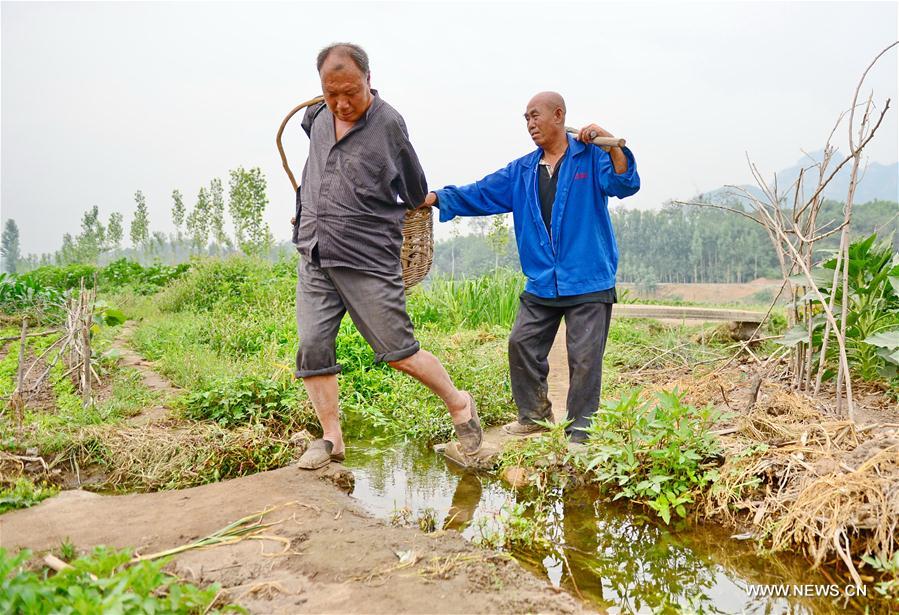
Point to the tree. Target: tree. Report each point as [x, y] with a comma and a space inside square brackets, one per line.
[115, 230]
[217, 214]
[140, 225]
[9, 246]
[198, 222]
[498, 237]
[67, 253]
[247, 203]
[91, 241]
[178, 214]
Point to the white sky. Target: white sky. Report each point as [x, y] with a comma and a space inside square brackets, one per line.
[99, 100]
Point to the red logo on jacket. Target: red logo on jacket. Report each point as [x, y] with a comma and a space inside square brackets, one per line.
[580, 176]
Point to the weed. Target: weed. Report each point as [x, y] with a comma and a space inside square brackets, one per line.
[100, 583]
[67, 551]
[653, 451]
[249, 399]
[887, 567]
[24, 493]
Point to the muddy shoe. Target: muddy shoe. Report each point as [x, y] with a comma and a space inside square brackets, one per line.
[523, 429]
[454, 453]
[318, 455]
[470, 434]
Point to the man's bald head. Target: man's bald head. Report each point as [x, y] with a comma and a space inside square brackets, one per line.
[545, 116]
[550, 101]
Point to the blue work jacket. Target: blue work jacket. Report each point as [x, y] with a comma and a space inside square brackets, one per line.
[580, 254]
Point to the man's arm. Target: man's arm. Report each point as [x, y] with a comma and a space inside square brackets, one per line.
[491, 195]
[616, 169]
[409, 179]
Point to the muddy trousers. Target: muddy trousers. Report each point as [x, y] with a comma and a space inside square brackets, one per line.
[535, 328]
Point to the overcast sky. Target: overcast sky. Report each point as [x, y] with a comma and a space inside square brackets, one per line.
[100, 100]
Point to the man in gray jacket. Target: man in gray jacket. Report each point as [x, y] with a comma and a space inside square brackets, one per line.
[349, 235]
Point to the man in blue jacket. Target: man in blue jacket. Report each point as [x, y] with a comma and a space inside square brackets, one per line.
[558, 196]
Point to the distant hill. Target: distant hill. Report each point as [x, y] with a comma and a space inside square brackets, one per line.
[878, 182]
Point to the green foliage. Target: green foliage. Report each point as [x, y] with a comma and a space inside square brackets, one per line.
[126, 274]
[872, 320]
[115, 230]
[140, 224]
[888, 587]
[9, 246]
[231, 283]
[178, 212]
[516, 526]
[246, 204]
[24, 493]
[20, 293]
[470, 303]
[101, 582]
[248, 399]
[653, 451]
[198, 221]
[62, 277]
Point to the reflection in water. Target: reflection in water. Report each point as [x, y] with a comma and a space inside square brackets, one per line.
[612, 555]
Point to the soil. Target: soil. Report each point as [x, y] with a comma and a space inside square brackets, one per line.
[150, 378]
[708, 293]
[323, 553]
[329, 557]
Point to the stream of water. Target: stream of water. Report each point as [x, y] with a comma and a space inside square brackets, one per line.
[617, 558]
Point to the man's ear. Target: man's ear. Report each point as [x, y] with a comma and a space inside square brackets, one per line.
[368, 80]
[559, 115]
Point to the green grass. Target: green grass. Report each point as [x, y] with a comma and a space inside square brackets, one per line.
[24, 493]
[231, 323]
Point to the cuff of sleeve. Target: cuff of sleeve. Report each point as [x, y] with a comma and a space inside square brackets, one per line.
[631, 164]
[445, 214]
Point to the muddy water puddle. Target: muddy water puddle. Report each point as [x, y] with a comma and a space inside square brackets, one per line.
[617, 558]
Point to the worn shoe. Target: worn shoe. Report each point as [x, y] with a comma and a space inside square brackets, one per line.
[523, 429]
[318, 455]
[469, 433]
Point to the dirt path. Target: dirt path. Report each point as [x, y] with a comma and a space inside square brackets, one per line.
[337, 559]
[150, 378]
[324, 553]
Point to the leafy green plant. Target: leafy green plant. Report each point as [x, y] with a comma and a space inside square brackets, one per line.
[101, 582]
[67, 550]
[247, 399]
[656, 451]
[24, 493]
[19, 293]
[521, 525]
[124, 273]
[888, 587]
[872, 316]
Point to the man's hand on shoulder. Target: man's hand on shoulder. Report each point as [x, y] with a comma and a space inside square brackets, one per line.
[591, 131]
[430, 200]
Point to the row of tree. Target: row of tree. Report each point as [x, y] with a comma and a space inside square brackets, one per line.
[202, 230]
[677, 243]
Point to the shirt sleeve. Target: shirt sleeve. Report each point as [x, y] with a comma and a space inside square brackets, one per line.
[309, 116]
[614, 184]
[491, 195]
[409, 181]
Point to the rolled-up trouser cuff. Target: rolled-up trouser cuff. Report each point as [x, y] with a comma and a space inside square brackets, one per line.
[325, 371]
[398, 355]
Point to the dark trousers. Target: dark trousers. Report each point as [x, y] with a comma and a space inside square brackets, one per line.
[535, 328]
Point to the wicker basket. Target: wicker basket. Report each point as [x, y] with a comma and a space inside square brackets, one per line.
[418, 227]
